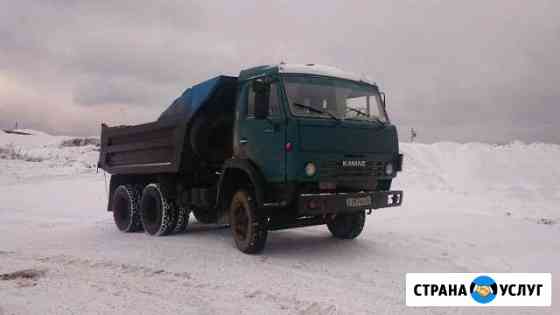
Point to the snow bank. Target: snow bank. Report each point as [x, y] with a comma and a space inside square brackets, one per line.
[479, 167]
[35, 138]
[43, 154]
[517, 179]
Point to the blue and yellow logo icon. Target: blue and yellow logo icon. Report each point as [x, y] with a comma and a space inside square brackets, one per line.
[483, 289]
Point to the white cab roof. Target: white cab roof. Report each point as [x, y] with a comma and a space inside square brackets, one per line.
[323, 70]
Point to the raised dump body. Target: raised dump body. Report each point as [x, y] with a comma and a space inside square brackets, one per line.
[196, 128]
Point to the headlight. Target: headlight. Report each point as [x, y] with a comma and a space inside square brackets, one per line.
[389, 168]
[310, 169]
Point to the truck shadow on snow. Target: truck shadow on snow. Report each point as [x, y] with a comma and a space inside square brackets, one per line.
[295, 243]
[286, 243]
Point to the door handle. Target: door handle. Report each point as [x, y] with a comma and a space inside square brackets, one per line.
[243, 141]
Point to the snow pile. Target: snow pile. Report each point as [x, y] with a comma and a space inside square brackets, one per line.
[517, 179]
[41, 153]
[479, 167]
[10, 152]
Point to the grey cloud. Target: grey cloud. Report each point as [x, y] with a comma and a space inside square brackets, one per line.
[454, 70]
[107, 91]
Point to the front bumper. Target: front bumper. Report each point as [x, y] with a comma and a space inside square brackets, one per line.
[316, 204]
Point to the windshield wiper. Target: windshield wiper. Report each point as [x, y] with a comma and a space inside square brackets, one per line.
[317, 110]
[359, 112]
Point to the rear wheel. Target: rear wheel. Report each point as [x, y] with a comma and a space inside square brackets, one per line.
[159, 214]
[249, 228]
[126, 208]
[347, 225]
[182, 219]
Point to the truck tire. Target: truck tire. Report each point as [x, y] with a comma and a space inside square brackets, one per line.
[249, 228]
[126, 208]
[182, 219]
[205, 216]
[159, 215]
[348, 225]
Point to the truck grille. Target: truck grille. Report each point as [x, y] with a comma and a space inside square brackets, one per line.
[336, 170]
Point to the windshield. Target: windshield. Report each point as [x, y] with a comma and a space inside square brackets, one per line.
[335, 98]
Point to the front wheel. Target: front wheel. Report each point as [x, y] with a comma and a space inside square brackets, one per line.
[348, 225]
[249, 228]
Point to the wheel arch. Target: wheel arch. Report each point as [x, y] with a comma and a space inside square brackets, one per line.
[239, 173]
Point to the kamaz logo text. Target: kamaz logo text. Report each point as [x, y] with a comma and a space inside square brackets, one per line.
[354, 163]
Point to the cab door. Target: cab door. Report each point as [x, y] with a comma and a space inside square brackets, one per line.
[260, 131]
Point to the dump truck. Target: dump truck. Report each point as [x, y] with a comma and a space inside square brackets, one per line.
[277, 147]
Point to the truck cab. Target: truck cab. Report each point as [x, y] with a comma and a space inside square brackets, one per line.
[279, 146]
[316, 130]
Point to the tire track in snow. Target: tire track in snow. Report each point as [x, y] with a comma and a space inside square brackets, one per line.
[121, 279]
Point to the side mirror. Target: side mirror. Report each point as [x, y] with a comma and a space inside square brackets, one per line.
[383, 99]
[262, 95]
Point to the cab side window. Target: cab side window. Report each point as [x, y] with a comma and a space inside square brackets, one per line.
[274, 101]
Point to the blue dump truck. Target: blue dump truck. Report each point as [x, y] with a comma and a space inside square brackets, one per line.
[280, 146]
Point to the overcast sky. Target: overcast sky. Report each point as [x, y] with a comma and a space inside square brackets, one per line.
[476, 70]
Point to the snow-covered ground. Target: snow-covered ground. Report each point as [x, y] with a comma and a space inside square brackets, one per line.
[467, 208]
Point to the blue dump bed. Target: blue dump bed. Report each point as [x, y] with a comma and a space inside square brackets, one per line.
[178, 140]
[217, 93]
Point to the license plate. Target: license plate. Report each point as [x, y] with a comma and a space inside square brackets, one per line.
[358, 202]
